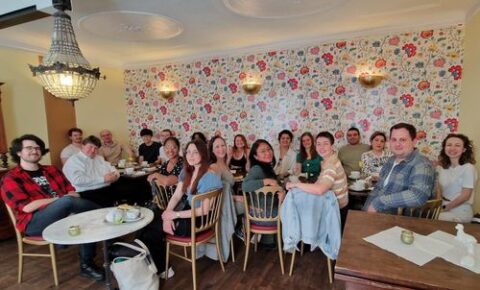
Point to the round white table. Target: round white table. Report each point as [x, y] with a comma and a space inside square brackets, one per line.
[94, 228]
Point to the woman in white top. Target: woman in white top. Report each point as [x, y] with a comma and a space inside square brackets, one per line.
[284, 154]
[456, 178]
[372, 161]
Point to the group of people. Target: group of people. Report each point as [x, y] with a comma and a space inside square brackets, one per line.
[42, 194]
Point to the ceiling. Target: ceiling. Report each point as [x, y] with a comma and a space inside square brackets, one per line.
[127, 33]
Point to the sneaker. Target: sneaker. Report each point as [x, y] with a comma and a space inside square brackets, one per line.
[171, 273]
[240, 234]
[91, 271]
[476, 218]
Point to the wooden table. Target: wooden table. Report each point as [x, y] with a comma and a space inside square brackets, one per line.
[362, 265]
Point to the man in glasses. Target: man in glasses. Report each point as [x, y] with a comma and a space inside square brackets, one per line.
[40, 195]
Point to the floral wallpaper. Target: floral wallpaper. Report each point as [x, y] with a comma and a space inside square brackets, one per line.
[310, 88]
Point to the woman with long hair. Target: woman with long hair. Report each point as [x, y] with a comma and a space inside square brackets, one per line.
[284, 154]
[238, 155]
[308, 160]
[457, 177]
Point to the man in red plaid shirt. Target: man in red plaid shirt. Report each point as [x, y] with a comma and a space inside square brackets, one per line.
[41, 195]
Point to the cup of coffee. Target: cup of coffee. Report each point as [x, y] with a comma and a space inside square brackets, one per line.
[359, 184]
[355, 174]
[129, 170]
[132, 213]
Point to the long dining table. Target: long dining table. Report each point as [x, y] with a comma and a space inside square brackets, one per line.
[362, 265]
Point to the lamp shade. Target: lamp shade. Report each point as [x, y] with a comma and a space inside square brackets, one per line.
[370, 81]
[64, 72]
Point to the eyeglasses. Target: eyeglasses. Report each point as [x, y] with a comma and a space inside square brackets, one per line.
[32, 148]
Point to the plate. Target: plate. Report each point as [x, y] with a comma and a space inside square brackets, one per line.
[133, 220]
[356, 188]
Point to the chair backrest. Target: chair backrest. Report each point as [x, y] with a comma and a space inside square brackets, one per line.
[429, 210]
[162, 194]
[262, 204]
[14, 222]
[209, 219]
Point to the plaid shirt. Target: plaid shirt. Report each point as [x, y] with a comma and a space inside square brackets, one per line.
[18, 189]
[410, 184]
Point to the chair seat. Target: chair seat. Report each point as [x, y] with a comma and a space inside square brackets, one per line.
[34, 238]
[201, 237]
[255, 227]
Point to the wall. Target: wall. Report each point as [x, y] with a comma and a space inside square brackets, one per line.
[469, 98]
[22, 97]
[310, 89]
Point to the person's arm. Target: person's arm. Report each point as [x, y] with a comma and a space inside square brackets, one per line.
[247, 166]
[254, 179]
[79, 177]
[460, 199]
[324, 183]
[36, 204]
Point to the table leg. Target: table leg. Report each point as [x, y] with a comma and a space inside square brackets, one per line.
[106, 265]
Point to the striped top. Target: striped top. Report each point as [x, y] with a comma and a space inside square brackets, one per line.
[332, 170]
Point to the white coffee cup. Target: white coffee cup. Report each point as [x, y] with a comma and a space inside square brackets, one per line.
[129, 170]
[359, 184]
[121, 163]
[355, 174]
[114, 216]
[132, 214]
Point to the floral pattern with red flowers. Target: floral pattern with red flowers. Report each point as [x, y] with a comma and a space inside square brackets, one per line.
[311, 88]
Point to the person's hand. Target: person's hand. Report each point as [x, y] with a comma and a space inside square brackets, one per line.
[153, 176]
[281, 196]
[290, 185]
[110, 177]
[371, 208]
[73, 193]
[270, 182]
[169, 215]
[168, 227]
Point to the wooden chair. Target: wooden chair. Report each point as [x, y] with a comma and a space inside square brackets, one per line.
[36, 241]
[259, 209]
[204, 227]
[329, 264]
[430, 210]
[162, 194]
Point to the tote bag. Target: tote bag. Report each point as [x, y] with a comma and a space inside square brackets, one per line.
[137, 272]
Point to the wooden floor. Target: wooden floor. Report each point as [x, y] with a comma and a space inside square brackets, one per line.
[263, 272]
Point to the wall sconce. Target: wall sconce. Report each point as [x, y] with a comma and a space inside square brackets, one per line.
[167, 93]
[369, 81]
[251, 88]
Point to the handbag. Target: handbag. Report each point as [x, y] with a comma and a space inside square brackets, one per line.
[137, 272]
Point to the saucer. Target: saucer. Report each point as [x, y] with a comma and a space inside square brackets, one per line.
[125, 220]
[354, 188]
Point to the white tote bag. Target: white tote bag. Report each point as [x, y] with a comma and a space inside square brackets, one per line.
[138, 272]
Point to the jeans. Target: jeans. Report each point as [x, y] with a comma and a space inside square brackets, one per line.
[58, 210]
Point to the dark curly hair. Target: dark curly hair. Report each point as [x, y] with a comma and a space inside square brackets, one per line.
[17, 146]
[466, 157]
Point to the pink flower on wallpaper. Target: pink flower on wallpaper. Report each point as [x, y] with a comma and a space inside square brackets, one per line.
[170, 100]
[156, 103]
[314, 50]
[340, 90]
[341, 44]
[380, 63]
[177, 119]
[234, 126]
[223, 81]
[163, 109]
[207, 71]
[410, 49]
[272, 53]
[421, 135]
[144, 125]
[452, 124]
[262, 65]
[216, 97]
[293, 83]
[439, 62]
[272, 93]
[186, 126]
[133, 133]
[137, 120]
[148, 84]
[153, 69]
[314, 95]
[327, 58]
[304, 70]
[304, 113]
[161, 76]
[327, 103]
[233, 88]
[378, 111]
[293, 125]
[208, 108]
[423, 85]
[339, 134]
[364, 124]
[199, 101]
[350, 116]
[262, 106]
[198, 64]
[184, 91]
[281, 76]
[243, 115]
[351, 69]
[130, 102]
[141, 94]
[250, 98]
[224, 118]
[150, 117]
[407, 100]
[436, 114]
[242, 75]
[191, 80]
[456, 71]
[214, 60]
[134, 88]
[250, 58]
[251, 137]
[426, 34]
[395, 40]
[193, 116]
[392, 91]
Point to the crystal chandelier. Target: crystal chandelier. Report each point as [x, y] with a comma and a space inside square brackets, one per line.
[64, 72]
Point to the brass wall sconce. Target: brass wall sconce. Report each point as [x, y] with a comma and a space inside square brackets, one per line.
[251, 88]
[167, 94]
[369, 81]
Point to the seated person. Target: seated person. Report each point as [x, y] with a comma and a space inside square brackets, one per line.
[407, 179]
[149, 150]
[457, 177]
[284, 154]
[171, 168]
[97, 180]
[166, 133]
[75, 136]
[238, 155]
[308, 160]
[351, 153]
[112, 150]
[40, 195]
[374, 159]
[332, 175]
